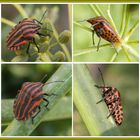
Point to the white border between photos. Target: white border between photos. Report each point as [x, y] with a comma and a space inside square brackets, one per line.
[72, 63]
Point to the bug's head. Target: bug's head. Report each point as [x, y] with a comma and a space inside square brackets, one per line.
[95, 20]
[106, 89]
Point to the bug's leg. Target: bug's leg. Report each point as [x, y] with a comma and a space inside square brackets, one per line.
[112, 112]
[27, 51]
[114, 48]
[37, 21]
[18, 91]
[49, 94]
[102, 87]
[114, 109]
[99, 86]
[36, 45]
[93, 37]
[100, 101]
[43, 35]
[36, 114]
[32, 120]
[46, 102]
[98, 43]
[102, 98]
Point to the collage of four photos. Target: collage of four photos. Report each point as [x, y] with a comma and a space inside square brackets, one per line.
[70, 69]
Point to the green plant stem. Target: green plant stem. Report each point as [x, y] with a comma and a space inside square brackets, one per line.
[127, 22]
[133, 42]
[64, 73]
[88, 50]
[96, 9]
[131, 31]
[8, 22]
[124, 18]
[85, 99]
[113, 58]
[126, 53]
[108, 7]
[63, 47]
[21, 10]
[132, 51]
[52, 45]
[55, 114]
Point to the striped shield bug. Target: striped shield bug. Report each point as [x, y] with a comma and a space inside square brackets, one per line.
[103, 29]
[111, 96]
[28, 100]
[23, 33]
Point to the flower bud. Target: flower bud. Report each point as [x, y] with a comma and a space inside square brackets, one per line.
[64, 36]
[59, 56]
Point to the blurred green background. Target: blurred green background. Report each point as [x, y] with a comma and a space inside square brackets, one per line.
[57, 13]
[125, 78]
[13, 76]
[82, 39]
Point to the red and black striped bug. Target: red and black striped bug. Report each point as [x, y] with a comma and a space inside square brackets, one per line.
[104, 30]
[24, 32]
[111, 96]
[28, 100]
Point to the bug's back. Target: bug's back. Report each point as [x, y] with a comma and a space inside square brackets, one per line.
[22, 33]
[28, 100]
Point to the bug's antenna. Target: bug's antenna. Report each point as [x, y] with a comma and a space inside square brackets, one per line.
[82, 20]
[43, 15]
[48, 82]
[44, 77]
[52, 82]
[101, 76]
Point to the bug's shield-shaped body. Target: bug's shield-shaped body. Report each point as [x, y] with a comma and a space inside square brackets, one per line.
[28, 100]
[22, 33]
[111, 96]
[103, 29]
